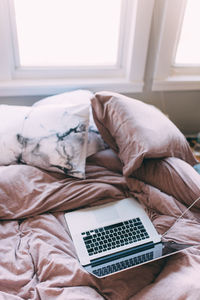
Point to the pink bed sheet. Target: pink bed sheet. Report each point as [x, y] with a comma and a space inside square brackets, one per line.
[37, 256]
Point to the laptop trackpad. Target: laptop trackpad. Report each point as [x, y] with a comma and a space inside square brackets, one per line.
[110, 214]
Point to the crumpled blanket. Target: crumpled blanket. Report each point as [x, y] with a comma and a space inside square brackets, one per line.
[37, 256]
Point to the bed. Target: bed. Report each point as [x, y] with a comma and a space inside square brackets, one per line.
[134, 151]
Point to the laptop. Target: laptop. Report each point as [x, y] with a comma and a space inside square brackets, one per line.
[117, 236]
[109, 237]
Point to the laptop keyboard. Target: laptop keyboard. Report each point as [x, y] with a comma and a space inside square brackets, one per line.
[114, 236]
[123, 264]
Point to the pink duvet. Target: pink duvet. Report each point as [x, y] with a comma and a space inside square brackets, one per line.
[37, 256]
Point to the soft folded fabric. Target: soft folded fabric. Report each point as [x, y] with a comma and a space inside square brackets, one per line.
[170, 175]
[53, 138]
[106, 158]
[136, 130]
[73, 98]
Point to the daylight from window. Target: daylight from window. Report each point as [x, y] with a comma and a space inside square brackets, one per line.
[53, 33]
[188, 51]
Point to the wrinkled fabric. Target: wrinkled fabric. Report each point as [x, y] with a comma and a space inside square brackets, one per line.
[37, 256]
[27, 191]
[137, 131]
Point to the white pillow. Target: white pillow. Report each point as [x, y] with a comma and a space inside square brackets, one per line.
[79, 97]
[49, 137]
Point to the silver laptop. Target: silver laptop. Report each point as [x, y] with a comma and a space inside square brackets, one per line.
[113, 237]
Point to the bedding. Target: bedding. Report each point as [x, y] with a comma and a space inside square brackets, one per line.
[37, 256]
[95, 142]
[136, 130]
[50, 137]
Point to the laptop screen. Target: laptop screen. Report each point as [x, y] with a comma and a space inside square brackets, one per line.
[134, 257]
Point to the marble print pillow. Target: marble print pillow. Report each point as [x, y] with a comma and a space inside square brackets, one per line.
[49, 137]
[73, 98]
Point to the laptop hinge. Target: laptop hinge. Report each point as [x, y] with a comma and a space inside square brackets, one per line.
[123, 253]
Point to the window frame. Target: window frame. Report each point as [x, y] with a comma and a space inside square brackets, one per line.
[167, 75]
[126, 76]
[64, 71]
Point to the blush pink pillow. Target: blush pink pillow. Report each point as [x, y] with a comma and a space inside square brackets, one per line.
[136, 130]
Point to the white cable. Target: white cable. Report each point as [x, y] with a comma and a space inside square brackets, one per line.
[181, 216]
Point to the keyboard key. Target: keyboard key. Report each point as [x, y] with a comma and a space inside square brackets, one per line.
[87, 238]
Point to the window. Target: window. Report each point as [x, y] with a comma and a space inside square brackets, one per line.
[188, 48]
[53, 33]
[49, 46]
[178, 48]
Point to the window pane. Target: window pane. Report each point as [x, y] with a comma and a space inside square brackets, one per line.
[67, 32]
[188, 51]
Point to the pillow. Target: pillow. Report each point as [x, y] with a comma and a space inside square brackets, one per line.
[53, 138]
[79, 97]
[136, 130]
